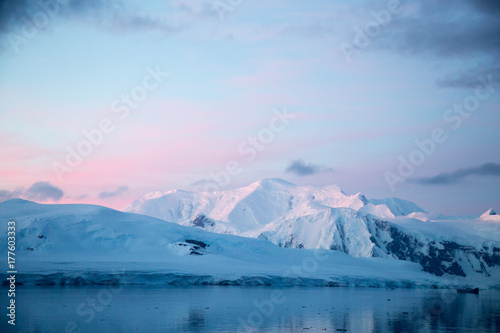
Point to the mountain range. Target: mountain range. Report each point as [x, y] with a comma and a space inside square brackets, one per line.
[324, 217]
[271, 232]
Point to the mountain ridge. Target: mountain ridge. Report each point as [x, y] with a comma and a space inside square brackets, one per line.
[324, 217]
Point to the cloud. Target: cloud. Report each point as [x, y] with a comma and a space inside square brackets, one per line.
[488, 169]
[301, 168]
[7, 195]
[467, 30]
[14, 12]
[77, 197]
[487, 6]
[112, 15]
[446, 29]
[201, 182]
[470, 78]
[39, 191]
[111, 194]
[43, 191]
[199, 8]
[9, 10]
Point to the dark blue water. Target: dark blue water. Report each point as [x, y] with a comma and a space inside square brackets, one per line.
[250, 309]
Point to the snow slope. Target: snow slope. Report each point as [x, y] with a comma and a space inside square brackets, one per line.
[85, 244]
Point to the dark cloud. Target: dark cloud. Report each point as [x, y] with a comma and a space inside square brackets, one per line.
[488, 169]
[301, 168]
[14, 12]
[445, 28]
[467, 30]
[111, 194]
[470, 78]
[43, 191]
[131, 22]
[108, 14]
[10, 10]
[491, 7]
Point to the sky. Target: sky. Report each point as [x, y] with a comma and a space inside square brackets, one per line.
[104, 101]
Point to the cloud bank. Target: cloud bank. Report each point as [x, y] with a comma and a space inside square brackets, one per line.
[450, 30]
[487, 169]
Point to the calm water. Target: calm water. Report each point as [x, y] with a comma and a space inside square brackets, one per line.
[257, 309]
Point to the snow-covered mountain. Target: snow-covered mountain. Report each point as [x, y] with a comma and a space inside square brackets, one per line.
[324, 217]
[245, 210]
[490, 215]
[87, 244]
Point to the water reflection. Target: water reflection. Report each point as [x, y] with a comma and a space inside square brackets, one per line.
[195, 322]
[253, 309]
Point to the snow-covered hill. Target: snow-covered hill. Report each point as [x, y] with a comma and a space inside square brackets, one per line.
[81, 244]
[324, 217]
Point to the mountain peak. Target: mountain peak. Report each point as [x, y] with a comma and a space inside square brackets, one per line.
[266, 182]
[489, 212]
[490, 215]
